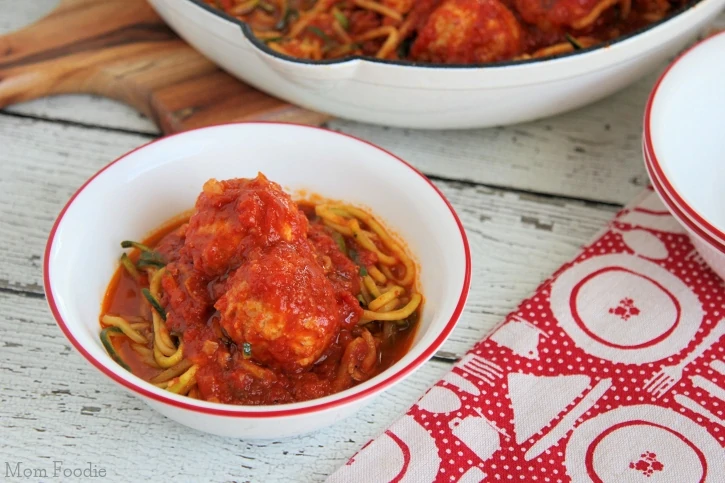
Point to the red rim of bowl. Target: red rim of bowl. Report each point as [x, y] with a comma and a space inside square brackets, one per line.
[230, 410]
[649, 146]
[675, 209]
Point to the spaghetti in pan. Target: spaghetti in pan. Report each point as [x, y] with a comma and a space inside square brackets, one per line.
[254, 299]
[441, 31]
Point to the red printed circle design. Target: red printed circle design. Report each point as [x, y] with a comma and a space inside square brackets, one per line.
[591, 450]
[663, 326]
[643, 442]
[661, 313]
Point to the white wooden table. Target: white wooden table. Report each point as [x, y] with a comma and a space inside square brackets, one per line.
[528, 195]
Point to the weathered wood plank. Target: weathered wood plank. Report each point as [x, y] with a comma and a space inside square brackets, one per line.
[56, 407]
[18, 14]
[87, 110]
[593, 153]
[53, 406]
[516, 239]
[41, 165]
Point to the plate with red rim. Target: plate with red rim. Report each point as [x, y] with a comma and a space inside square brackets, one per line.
[684, 145]
[678, 211]
[709, 249]
[138, 191]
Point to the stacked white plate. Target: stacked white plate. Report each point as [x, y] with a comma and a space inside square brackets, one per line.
[684, 145]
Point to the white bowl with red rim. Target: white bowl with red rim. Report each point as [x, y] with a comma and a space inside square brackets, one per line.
[137, 192]
[684, 145]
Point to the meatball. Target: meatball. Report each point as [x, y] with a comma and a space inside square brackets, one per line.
[342, 272]
[468, 31]
[551, 15]
[170, 245]
[185, 297]
[282, 304]
[236, 217]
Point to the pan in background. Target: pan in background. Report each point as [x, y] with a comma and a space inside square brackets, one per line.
[431, 96]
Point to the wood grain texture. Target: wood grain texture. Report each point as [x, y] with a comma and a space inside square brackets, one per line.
[516, 239]
[592, 153]
[122, 50]
[55, 406]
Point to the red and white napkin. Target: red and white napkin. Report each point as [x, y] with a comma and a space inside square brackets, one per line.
[613, 371]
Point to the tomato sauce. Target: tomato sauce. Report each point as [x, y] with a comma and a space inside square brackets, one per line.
[444, 31]
[265, 301]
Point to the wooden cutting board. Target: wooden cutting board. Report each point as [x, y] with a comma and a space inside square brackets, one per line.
[121, 49]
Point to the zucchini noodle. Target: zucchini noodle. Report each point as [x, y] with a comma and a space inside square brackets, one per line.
[355, 216]
[122, 324]
[162, 339]
[183, 383]
[150, 340]
[383, 291]
[377, 275]
[371, 287]
[439, 30]
[171, 360]
[594, 14]
[386, 298]
[398, 314]
[379, 8]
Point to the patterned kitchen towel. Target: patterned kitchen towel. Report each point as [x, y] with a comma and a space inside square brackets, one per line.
[613, 371]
